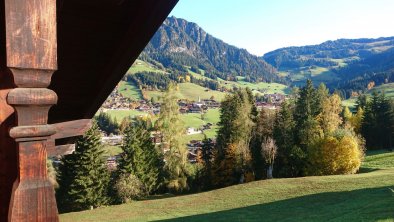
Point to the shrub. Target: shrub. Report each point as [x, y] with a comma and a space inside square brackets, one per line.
[129, 187]
[335, 155]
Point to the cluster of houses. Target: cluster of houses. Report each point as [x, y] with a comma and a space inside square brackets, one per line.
[194, 146]
[198, 107]
[270, 101]
[195, 149]
[116, 101]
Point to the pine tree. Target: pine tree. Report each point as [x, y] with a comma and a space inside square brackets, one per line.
[207, 155]
[361, 102]
[83, 176]
[225, 171]
[289, 162]
[306, 110]
[377, 127]
[140, 157]
[107, 124]
[237, 119]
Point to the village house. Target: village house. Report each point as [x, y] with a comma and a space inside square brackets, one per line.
[192, 131]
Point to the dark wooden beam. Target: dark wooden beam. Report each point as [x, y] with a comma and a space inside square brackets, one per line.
[60, 150]
[71, 128]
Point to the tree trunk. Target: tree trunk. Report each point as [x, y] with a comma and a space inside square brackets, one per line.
[269, 172]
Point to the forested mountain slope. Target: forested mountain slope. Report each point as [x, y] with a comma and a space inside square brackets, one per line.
[179, 43]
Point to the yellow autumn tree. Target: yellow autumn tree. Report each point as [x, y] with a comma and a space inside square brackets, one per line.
[331, 155]
[330, 118]
[356, 120]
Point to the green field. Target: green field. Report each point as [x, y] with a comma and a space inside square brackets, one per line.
[121, 114]
[192, 92]
[129, 90]
[142, 66]
[360, 197]
[316, 73]
[388, 90]
[111, 150]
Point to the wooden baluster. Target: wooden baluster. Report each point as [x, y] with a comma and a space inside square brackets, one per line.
[31, 57]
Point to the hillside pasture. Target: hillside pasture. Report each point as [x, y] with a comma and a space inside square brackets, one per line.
[142, 66]
[359, 197]
[129, 90]
[191, 92]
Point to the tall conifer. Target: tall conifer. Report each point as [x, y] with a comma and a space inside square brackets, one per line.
[140, 157]
[83, 176]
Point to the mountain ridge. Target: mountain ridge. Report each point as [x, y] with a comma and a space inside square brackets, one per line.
[182, 43]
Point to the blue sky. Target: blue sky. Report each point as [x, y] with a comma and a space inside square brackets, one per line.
[264, 25]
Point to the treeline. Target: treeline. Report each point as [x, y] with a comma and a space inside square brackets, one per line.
[378, 69]
[322, 54]
[311, 134]
[150, 80]
[378, 121]
[161, 81]
[298, 140]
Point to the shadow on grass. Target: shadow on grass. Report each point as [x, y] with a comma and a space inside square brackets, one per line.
[378, 152]
[367, 170]
[358, 205]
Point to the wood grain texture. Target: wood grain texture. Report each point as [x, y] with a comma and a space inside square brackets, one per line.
[31, 34]
[71, 128]
[97, 42]
[31, 50]
[33, 196]
[60, 150]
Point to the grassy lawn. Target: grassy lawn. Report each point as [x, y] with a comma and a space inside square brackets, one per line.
[379, 160]
[129, 90]
[388, 89]
[121, 114]
[360, 197]
[191, 92]
[351, 103]
[269, 88]
[111, 150]
[142, 66]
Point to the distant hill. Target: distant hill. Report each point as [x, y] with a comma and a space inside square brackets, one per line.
[178, 44]
[345, 64]
[180, 47]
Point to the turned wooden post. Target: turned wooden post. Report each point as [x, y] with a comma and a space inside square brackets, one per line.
[31, 57]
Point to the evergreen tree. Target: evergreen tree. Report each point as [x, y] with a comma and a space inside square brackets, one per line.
[107, 124]
[377, 126]
[225, 170]
[361, 102]
[237, 118]
[321, 97]
[140, 157]
[172, 129]
[289, 161]
[83, 176]
[207, 154]
[306, 110]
